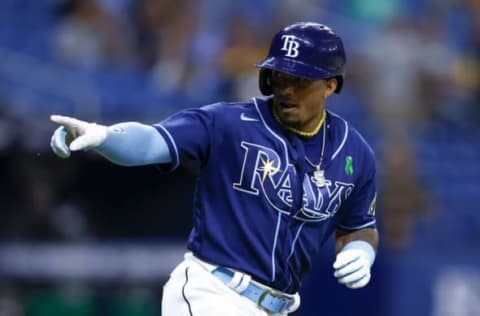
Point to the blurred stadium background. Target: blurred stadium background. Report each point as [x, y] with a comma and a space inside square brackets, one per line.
[83, 237]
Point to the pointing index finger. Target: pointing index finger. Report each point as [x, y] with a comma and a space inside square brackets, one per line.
[59, 119]
[66, 121]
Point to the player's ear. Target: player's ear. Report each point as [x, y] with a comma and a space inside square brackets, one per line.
[330, 86]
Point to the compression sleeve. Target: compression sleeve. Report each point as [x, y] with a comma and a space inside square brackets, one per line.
[134, 144]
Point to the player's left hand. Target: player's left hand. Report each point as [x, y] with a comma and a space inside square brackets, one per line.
[352, 267]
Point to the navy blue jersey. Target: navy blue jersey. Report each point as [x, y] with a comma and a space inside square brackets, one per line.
[256, 205]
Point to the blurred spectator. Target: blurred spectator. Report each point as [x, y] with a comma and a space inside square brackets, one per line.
[42, 214]
[153, 19]
[376, 12]
[89, 36]
[243, 49]
[402, 199]
[408, 64]
[165, 31]
[467, 66]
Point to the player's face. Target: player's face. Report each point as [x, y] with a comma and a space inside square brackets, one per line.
[300, 102]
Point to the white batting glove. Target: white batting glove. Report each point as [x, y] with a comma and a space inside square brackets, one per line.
[85, 135]
[353, 263]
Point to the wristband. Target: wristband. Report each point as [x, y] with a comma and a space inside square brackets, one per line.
[362, 245]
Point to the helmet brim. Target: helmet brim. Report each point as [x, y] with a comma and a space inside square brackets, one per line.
[295, 67]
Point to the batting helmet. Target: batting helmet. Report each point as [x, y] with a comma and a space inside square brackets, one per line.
[305, 49]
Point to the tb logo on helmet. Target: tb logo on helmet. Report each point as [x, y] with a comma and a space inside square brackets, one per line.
[290, 45]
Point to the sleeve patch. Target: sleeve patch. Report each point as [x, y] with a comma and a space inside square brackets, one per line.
[373, 205]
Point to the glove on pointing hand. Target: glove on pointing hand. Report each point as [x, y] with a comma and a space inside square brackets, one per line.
[85, 135]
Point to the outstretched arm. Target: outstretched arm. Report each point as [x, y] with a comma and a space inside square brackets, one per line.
[126, 144]
[355, 256]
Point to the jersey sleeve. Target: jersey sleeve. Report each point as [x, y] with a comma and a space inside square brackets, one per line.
[359, 209]
[188, 134]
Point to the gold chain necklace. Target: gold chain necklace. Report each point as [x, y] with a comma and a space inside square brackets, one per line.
[318, 174]
[297, 131]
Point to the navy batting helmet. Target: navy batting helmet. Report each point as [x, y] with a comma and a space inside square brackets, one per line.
[305, 49]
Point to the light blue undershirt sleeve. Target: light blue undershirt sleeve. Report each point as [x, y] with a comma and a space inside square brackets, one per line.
[134, 144]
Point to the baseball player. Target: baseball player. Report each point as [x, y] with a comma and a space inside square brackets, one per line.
[279, 175]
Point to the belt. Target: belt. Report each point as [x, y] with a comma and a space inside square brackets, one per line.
[263, 296]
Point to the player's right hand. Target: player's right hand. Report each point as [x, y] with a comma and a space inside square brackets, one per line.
[352, 265]
[85, 135]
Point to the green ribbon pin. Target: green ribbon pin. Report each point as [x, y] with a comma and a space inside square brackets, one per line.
[349, 165]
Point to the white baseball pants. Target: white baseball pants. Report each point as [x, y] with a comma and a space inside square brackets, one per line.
[192, 290]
